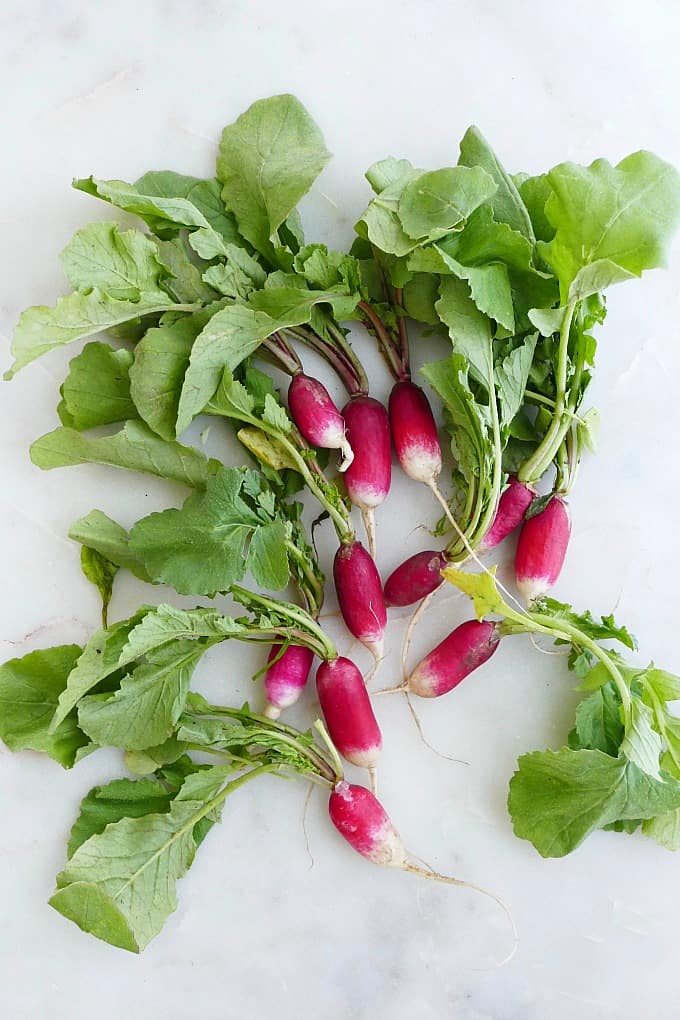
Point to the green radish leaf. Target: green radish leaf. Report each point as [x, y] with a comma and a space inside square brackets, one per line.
[29, 691]
[268, 159]
[665, 829]
[481, 588]
[599, 726]
[143, 763]
[134, 447]
[161, 360]
[99, 534]
[436, 202]
[641, 743]
[208, 544]
[96, 390]
[535, 192]
[606, 629]
[633, 210]
[121, 798]
[102, 573]
[387, 172]
[469, 329]
[229, 337]
[511, 374]
[143, 712]
[557, 798]
[119, 885]
[506, 203]
[186, 284]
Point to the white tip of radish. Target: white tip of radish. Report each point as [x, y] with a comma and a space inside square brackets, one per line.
[347, 455]
[532, 588]
[271, 711]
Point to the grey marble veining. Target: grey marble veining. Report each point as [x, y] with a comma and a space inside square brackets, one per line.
[264, 929]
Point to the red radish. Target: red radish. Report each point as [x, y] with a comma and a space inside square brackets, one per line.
[347, 710]
[360, 595]
[363, 822]
[414, 432]
[541, 549]
[368, 477]
[285, 679]
[466, 648]
[317, 417]
[512, 506]
[361, 819]
[415, 578]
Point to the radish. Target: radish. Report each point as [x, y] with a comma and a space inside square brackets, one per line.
[466, 648]
[512, 506]
[360, 595]
[415, 578]
[369, 476]
[285, 679]
[361, 819]
[542, 548]
[347, 710]
[317, 417]
[414, 432]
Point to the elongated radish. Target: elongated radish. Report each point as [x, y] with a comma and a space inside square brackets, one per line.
[286, 678]
[454, 658]
[542, 548]
[369, 476]
[414, 432]
[361, 819]
[415, 578]
[360, 595]
[317, 417]
[347, 710]
[512, 506]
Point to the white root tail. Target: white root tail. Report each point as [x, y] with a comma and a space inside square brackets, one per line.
[368, 517]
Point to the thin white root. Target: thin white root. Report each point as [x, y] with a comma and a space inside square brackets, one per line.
[413, 623]
[368, 517]
[374, 670]
[431, 747]
[436, 876]
[347, 455]
[399, 689]
[548, 651]
[434, 488]
[304, 825]
[373, 776]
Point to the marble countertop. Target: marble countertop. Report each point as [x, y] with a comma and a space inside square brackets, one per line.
[267, 926]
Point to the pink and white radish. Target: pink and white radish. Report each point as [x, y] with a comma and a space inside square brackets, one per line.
[512, 506]
[360, 595]
[414, 432]
[415, 578]
[348, 712]
[286, 677]
[317, 417]
[542, 548]
[465, 649]
[368, 477]
[362, 821]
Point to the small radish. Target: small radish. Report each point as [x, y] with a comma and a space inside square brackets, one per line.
[466, 648]
[317, 417]
[361, 819]
[285, 679]
[415, 578]
[512, 506]
[347, 710]
[363, 822]
[542, 548]
[414, 432]
[368, 477]
[360, 595]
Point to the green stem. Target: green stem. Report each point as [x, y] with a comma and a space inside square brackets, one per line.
[349, 355]
[312, 588]
[567, 632]
[536, 465]
[323, 646]
[387, 345]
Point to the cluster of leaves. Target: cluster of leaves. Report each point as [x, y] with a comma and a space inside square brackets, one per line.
[129, 688]
[621, 766]
[513, 268]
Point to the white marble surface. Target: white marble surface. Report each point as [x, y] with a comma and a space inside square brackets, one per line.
[263, 928]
